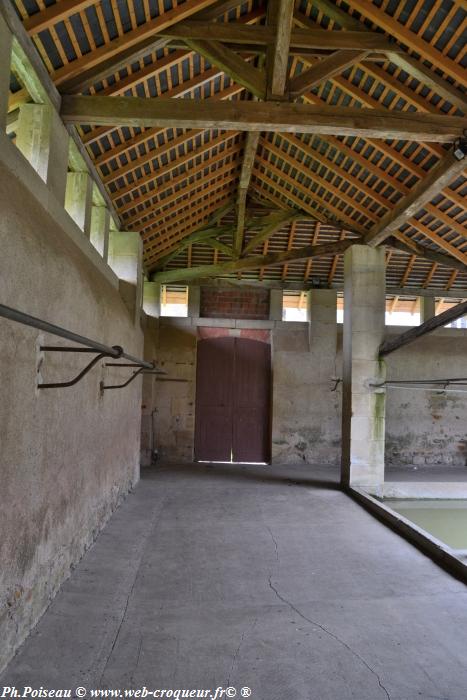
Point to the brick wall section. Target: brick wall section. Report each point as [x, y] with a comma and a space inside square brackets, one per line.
[235, 303]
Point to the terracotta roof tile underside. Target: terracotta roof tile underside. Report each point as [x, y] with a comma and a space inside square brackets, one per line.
[168, 183]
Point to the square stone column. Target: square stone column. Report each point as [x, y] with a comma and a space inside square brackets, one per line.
[427, 308]
[100, 228]
[275, 304]
[126, 260]
[194, 301]
[43, 140]
[322, 328]
[152, 299]
[78, 200]
[6, 40]
[323, 411]
[363, 406]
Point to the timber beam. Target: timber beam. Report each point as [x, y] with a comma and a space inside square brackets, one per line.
[444, 172]
[257, 116]
[262, 36]
[429, 326]
[249, 154]
[411, 247]
[332, 65]
[252, 263]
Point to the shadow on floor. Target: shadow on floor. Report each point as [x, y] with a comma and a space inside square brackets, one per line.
[291, 475]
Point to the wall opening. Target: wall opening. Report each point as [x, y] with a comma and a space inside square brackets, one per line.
[174, 300]
[294, 306]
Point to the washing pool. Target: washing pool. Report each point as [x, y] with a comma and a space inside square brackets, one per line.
[444, 519]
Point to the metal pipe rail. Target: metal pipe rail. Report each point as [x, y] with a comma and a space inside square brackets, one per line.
[449, 385]
[109, 351]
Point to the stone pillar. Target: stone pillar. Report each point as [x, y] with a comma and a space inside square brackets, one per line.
[275, 305]
[322, 329]
[100, 227]
[152, 299]
[43, 140]
[5, 61]
[194, 301]
[126, 259]
[427, 308]
[78, 200]
[324, 413]
[363, 406]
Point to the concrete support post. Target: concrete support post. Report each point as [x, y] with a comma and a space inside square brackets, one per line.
[43, 140]
[152, 299]
[78, 200]
[363, 406]
[100, 228]
[5, 61]
[275, 304]
[194, 301]
[427, 308]
[126, 260]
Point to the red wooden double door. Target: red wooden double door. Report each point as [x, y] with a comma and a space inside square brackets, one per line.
[233, 397]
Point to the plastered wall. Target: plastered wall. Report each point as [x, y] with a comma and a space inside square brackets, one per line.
[67, 456]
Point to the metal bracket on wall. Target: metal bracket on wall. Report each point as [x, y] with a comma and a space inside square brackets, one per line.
[56, 385]
[140, 370]
[90, 346]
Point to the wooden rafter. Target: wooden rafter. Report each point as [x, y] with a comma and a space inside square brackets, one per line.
[393, 28]
[439, 176]
[144, 33]
[428, 77]
[53, 14]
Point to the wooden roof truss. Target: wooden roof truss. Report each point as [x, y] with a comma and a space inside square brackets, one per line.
[260, 139]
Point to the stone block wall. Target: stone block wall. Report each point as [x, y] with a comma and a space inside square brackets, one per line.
[427, 428]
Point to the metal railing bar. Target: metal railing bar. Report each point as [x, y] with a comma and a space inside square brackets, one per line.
[27, 320]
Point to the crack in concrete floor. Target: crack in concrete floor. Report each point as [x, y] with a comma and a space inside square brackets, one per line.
[317, 624]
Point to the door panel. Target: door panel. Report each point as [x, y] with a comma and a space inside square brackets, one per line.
[233, 400]
[214, 383]
[251, 401]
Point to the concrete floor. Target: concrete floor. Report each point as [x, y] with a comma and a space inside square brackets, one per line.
[267, 577]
